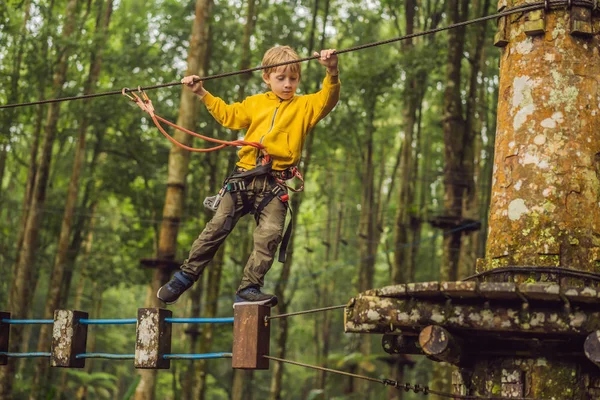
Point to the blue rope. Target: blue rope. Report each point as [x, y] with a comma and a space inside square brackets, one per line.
[106, 355]
[108, 321]
[24, 355]
[199, 320]
[27, 321]
[196, 356]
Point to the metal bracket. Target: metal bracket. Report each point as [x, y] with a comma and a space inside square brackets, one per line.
[501, 38]
[581, 22]
[535, 23]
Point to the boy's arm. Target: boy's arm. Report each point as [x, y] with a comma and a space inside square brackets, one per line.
[325, 100]
[232, 116]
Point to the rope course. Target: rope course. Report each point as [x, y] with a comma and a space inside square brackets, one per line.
[547, 4]
[153, 323]
[77, 341]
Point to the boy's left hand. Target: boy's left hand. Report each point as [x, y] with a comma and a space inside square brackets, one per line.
[327, 58]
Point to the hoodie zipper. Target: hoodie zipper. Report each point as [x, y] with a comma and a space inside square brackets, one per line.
[272, 121]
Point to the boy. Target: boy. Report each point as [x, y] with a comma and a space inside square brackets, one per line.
[279, 120]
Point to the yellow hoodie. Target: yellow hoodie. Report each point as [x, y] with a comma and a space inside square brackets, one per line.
[280, 125]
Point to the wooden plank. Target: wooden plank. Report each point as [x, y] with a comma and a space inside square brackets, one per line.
[460, 290]
[424, 290]
[499, 291]
[409, 316]
[69, 338]
[541, 291]
[251, 337]
[588, 295]
[396, 291]
[4, 336]
[152, 338]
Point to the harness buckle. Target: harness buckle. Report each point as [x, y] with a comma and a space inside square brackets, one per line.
[212, 202]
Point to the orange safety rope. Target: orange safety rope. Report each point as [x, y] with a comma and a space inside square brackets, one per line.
[146, 105]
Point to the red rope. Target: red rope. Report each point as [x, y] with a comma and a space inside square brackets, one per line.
[146, 105]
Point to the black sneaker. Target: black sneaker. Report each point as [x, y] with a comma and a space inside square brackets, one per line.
[253, 295]
[179, 283]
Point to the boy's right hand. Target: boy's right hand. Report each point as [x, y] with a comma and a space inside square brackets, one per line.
[194, 83]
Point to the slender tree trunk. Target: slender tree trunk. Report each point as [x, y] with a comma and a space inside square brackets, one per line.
[455, 178]
[19, 300]
[242, 379]
[83, 224]
[401, 267]
[367, 236]
[454, 133]
[178, 169]
[280, 287]
[471, 206]
[60, 261]
[210, 311]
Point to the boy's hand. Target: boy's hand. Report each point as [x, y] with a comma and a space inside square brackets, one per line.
[328, 59]
[196, 86]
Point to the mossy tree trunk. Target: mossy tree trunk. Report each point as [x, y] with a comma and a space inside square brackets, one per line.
[544, 206]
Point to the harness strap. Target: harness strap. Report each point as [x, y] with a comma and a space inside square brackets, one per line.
[286, 236]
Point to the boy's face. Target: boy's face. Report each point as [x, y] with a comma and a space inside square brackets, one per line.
[283, 82]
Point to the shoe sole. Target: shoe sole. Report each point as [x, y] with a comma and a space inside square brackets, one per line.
[268, 302]
[166, 302]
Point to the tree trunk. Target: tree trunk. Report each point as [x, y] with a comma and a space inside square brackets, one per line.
[367, 235]
[241, 379]
[178, 168]
[456, 179]
[544, 209]
[471, 162]
[402, 267]
[210, 311]
[56, 278]
[21, 292]
[280, 287]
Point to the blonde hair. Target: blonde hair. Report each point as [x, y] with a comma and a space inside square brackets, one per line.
[279, 54]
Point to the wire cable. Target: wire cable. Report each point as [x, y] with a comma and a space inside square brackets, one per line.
[305, 312]
[389, 382]
[518, 9]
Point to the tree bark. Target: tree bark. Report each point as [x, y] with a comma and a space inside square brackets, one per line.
[178, 169]
[456, 179]
[402, 266]
[281, 286]
[471, 208]
[21, 292]
[241, 379]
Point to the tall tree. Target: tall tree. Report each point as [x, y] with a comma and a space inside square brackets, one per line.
[455, 177]
[178, 169]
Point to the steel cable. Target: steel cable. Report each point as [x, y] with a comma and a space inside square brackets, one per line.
[515, 10]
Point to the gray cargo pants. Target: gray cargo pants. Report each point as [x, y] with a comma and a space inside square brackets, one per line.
[267, 235]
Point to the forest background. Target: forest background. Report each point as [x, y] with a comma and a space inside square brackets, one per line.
[398, 181]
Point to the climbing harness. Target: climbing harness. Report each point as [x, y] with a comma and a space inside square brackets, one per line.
[241, 181]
